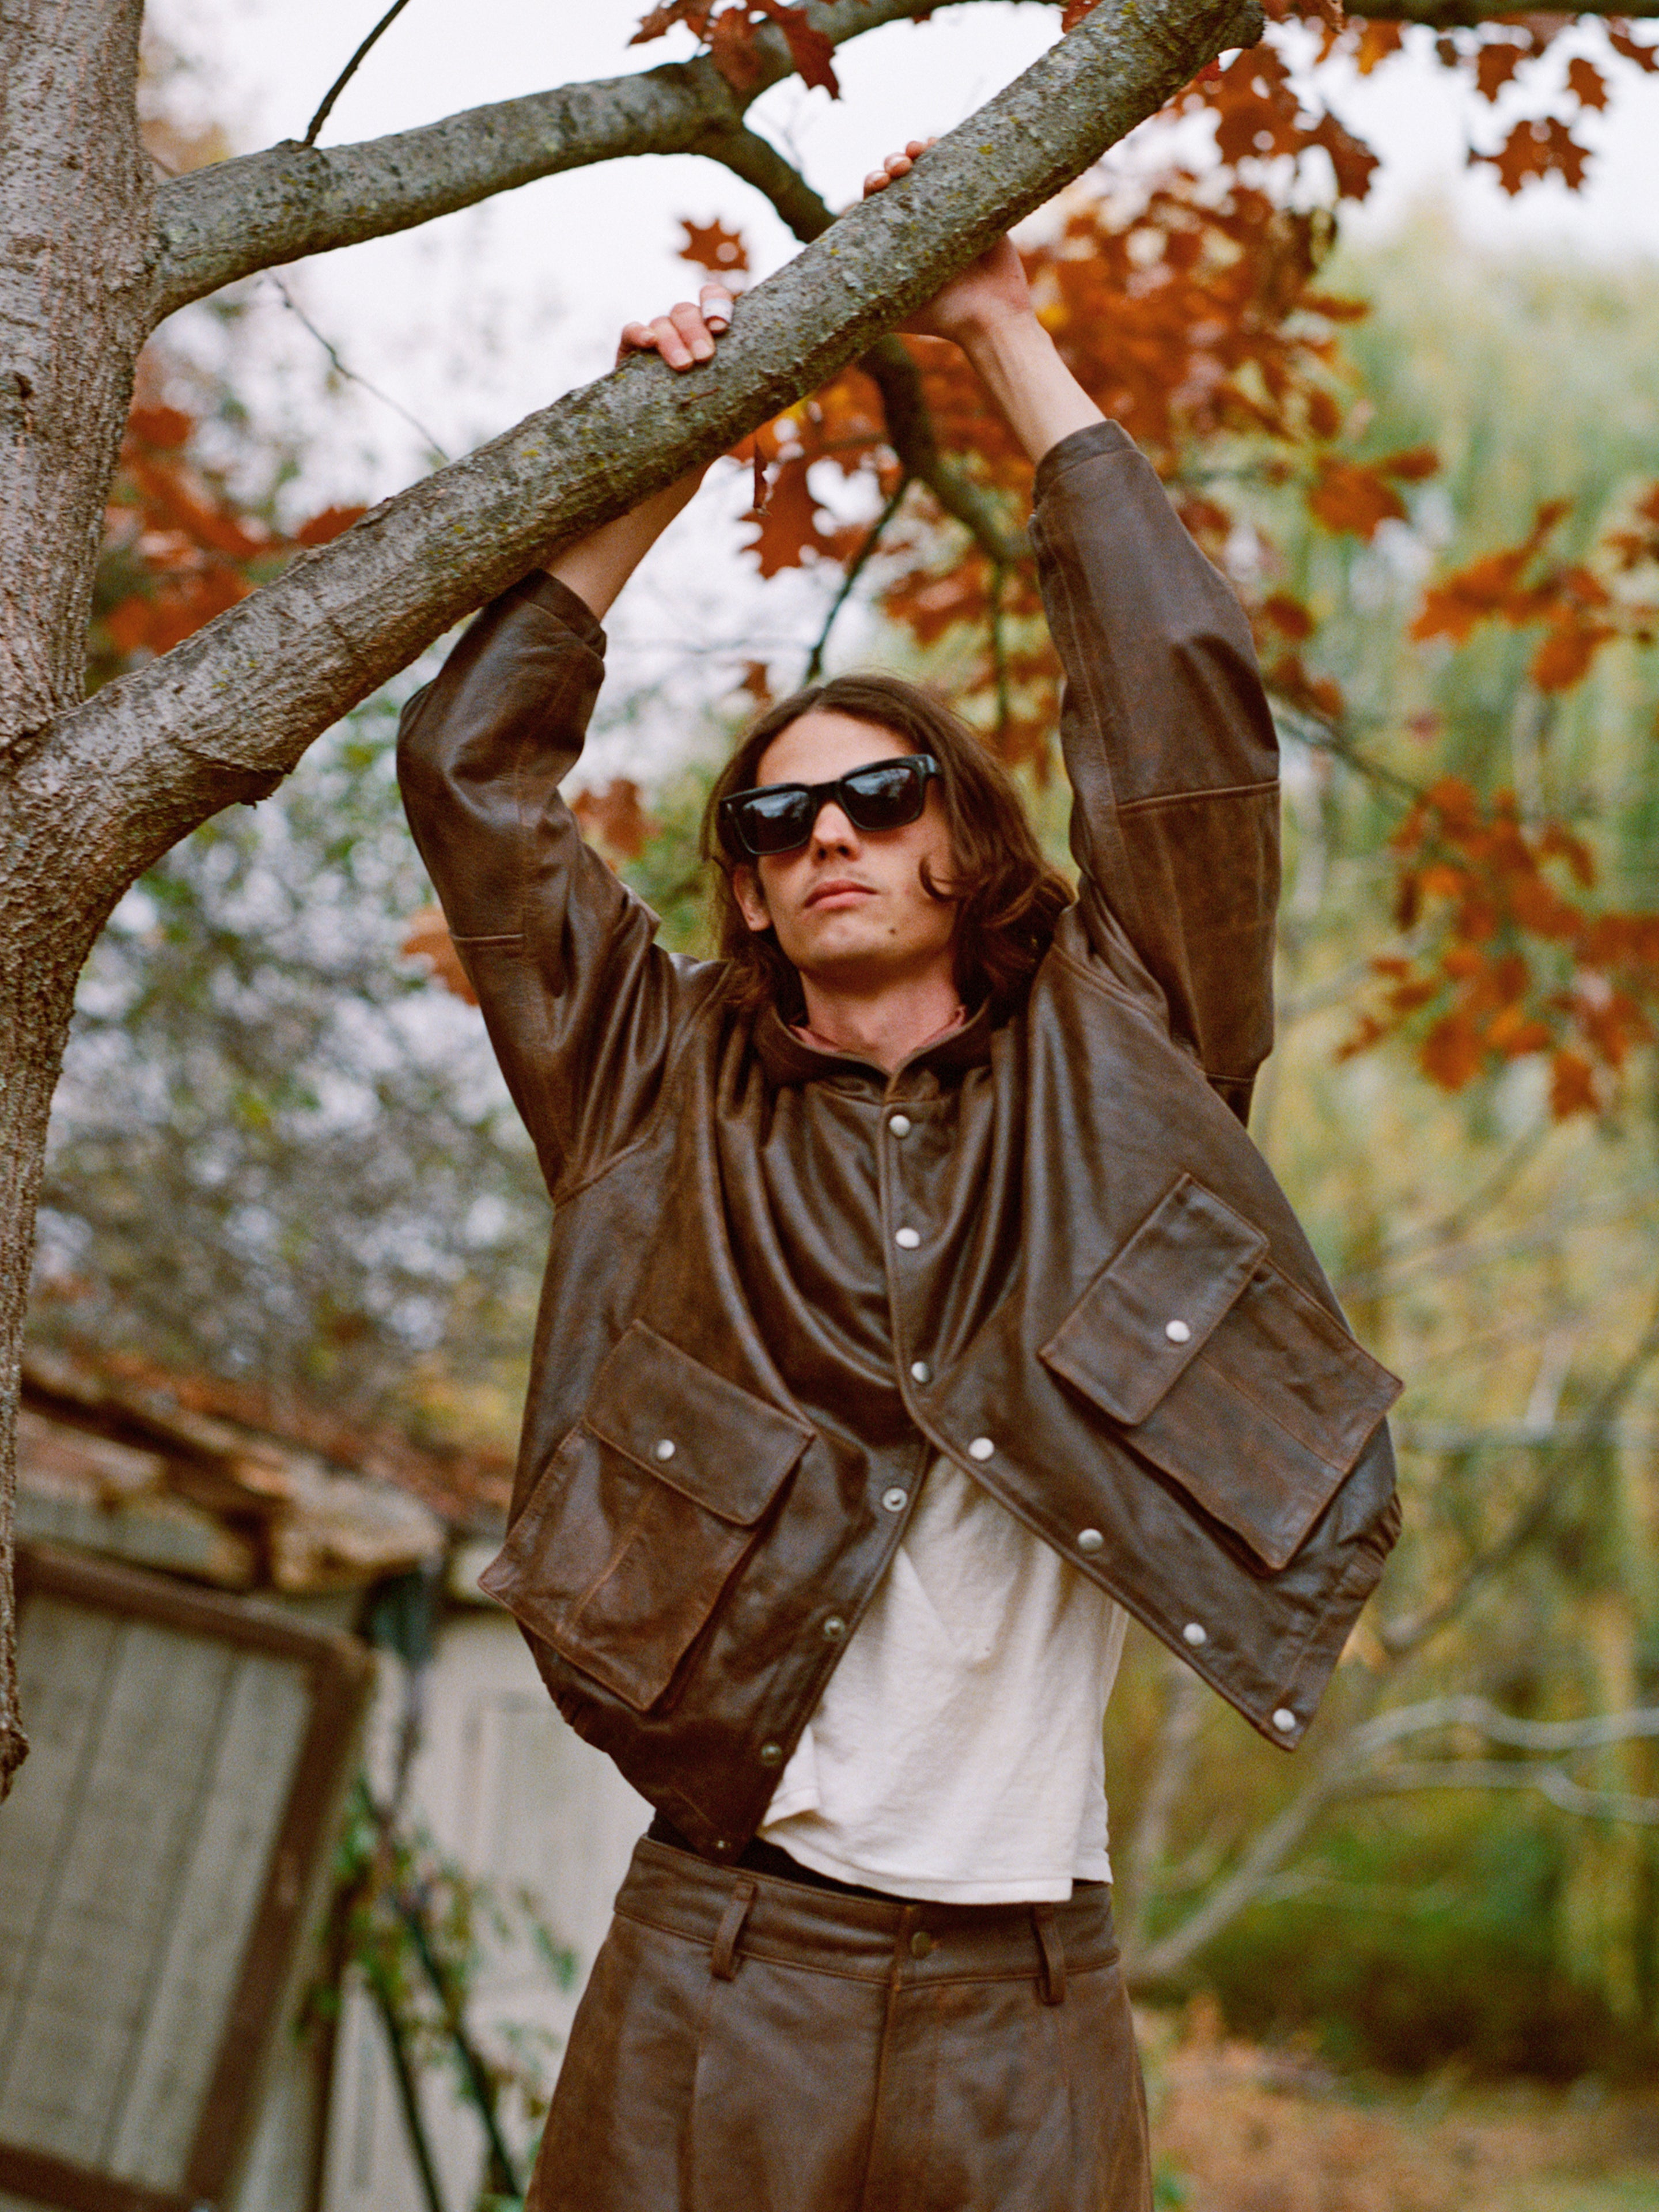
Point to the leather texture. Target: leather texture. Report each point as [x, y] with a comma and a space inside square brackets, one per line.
[1111, 1320]
[747, 2044]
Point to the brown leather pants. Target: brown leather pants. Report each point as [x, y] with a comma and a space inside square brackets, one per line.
[747, 2044]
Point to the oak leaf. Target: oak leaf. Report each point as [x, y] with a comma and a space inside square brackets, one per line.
[1350, 496]
[1586, 83]
[711, 245]
[810, 49]
[1542, 146]
[324, 527]
[429, 940]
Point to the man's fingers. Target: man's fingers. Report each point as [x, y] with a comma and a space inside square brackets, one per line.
[896, 165]
[685, 336]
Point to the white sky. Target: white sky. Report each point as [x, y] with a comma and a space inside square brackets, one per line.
[470, 322]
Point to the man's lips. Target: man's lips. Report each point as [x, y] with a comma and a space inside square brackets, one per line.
[840, 890]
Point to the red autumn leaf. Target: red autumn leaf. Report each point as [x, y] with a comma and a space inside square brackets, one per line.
[429, 940]
[178, 606]
[1075, 12]
[810, 49]
[329, 524]
[711, 245]
[1351, 160]
[730, 36]
[615, 818]
[1490, 587]
[791, 533]
[1586, 83]
[1451, 1052]
[1556, 842]
[1544, 147]
[757, 681]
[1564, 657]
[1377, 42]
[1324, 416]
[1496, 64]
[1410, 466]
[1619, 39]
[1288, 616]
[694, 13]
[167, 428]
[1572, 1086]
[1347, 496]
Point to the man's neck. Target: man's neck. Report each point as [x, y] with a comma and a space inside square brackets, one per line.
[887, 1025]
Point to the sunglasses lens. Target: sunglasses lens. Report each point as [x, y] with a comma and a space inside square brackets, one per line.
[777, 821]
[886, 796]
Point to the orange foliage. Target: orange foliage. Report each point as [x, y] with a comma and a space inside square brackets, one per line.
[1519, 963]
[729, 33]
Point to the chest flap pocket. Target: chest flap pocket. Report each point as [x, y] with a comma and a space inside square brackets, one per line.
[1230, 1380]
[644, 1513]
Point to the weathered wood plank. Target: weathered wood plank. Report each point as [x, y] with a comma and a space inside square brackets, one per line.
[221, 1882]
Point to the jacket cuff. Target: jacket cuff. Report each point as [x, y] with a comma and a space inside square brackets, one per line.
[1083, 444]
[566, 606]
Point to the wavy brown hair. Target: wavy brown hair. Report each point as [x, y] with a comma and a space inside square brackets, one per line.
[1007, 897]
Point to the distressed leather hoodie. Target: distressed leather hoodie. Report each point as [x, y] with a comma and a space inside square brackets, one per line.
[781, 1281]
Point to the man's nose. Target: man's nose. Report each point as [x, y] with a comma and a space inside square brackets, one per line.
[832, 832]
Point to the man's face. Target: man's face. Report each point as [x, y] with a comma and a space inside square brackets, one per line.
[848, 907]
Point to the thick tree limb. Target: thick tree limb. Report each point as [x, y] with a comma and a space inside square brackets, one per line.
[226, 713]
[219, 223]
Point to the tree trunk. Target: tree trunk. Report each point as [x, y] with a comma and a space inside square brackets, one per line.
[75, 259]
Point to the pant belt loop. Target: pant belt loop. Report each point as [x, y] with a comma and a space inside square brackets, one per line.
[1051, 1980]
[723, 1959]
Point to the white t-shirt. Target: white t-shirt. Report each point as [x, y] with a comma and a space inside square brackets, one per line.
[956, 1752]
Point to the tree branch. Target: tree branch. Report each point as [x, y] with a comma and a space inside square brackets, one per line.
[325, 106]
[1495, 1774]
[224, 716]
[260, 210]
[888, 364]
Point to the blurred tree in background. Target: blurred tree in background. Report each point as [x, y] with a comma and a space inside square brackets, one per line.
[1430, 474]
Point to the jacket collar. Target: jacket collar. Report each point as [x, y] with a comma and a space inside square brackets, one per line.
[787, 1058]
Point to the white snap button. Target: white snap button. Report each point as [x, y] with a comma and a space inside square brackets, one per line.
[834, 1629]
[1194, 1633]
[895, 1499]
[1088, 1539]
[906, 1239]
[1284, 1720]
[1177, 1331]
[920, 1372]
[981, 1448]
[900, 1124]
[665, 1448]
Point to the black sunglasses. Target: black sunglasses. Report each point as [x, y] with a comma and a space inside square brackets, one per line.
[779, 818]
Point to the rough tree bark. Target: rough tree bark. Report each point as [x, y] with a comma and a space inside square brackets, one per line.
[94, 792]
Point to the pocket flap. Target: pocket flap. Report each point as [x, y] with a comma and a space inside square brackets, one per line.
[1130, 1337]
[714, 1442]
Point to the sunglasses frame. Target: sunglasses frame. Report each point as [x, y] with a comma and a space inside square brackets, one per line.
[818, 796]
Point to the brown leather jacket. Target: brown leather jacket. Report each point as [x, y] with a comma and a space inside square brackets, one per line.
[780, 1281]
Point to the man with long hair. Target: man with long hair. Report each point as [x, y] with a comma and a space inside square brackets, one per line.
[917, 1307]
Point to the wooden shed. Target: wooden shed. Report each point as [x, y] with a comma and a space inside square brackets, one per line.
[197, 1578]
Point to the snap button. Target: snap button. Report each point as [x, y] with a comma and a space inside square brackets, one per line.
[665, 1448]
[1194, 1633]
[920, 1944]
[1088, 1539]
[920, 1372]
[895, 1499]
[906, 1239]
[771, 1754]
[1177, 1331]
[981, 1448]
[899, 1124]
[834, 1629]
[1284, 1720]
[720, 1843]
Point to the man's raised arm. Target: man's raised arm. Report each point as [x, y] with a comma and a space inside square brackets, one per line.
[1168, 739]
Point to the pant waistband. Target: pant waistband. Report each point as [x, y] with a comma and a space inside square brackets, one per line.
[737, 1913]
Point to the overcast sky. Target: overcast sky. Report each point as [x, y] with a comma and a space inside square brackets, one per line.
[470, 322]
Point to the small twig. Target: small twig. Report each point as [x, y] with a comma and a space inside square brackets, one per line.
[854, 569]
[1497, 1774]
[402, 2074]
[1323, 736]
[350, 71]
[341, 368]
[480, 2087]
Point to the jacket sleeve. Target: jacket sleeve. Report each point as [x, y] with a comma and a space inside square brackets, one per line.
[581, 1003]
[1170, 749]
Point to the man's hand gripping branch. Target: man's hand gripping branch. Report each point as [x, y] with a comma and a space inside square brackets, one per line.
[986, 310]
